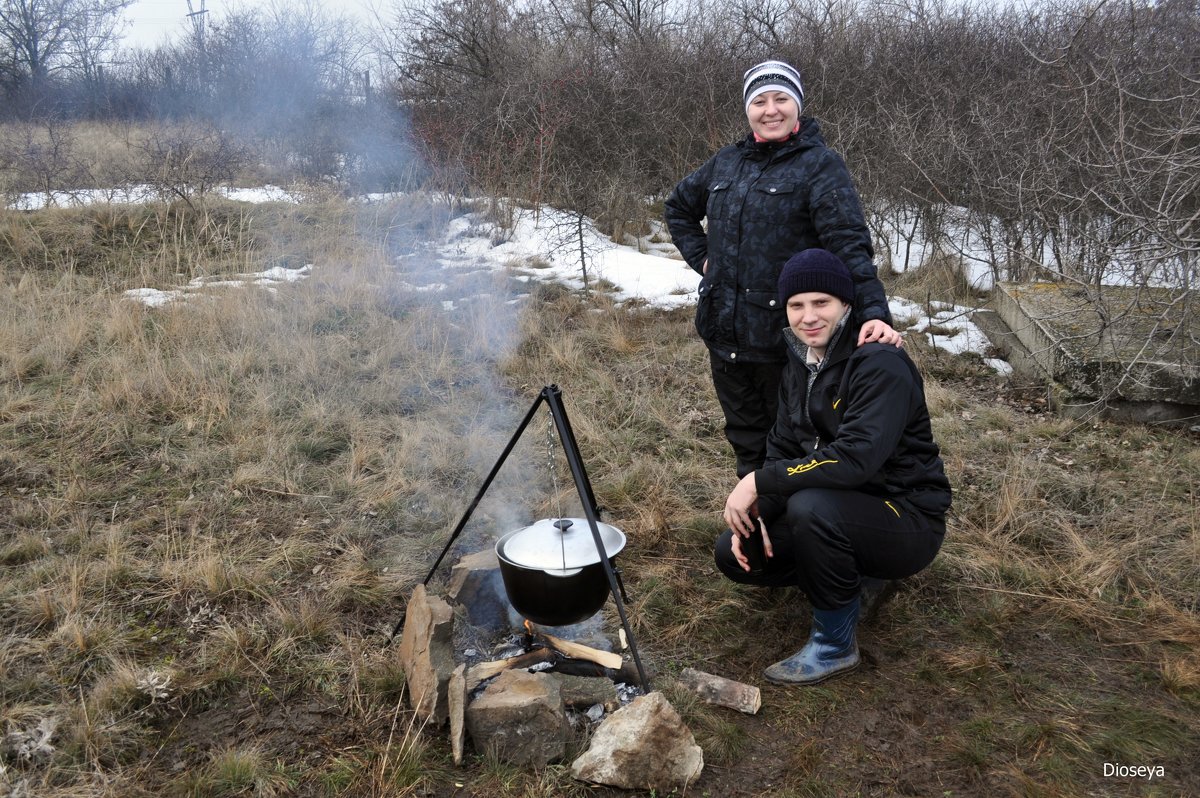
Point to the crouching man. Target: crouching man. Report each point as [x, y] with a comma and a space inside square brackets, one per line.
[852, 488]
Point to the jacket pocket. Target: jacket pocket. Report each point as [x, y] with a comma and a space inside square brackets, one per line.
[765, 319]
[837, 208]
[718, 190]
[776, 200]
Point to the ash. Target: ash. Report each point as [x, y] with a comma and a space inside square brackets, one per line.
[628, 692]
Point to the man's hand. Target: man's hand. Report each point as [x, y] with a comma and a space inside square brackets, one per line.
[741, 508]
[740, 555]
[879, 330]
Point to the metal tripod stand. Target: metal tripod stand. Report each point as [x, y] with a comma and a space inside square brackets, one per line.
[552, 396]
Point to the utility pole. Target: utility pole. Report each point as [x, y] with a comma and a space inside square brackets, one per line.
[197, 18]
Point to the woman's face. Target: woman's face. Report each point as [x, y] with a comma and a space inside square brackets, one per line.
[773, 115]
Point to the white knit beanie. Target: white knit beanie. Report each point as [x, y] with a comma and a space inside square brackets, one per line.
[772, 76]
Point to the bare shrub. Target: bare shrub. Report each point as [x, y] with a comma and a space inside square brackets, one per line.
[42, 159]
[186, 162]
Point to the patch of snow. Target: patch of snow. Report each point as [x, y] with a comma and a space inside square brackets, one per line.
[140, 194]
[152, 296]
[197, 287]
[260, 194]
[560, 240]
[546, 244]
[422, 289]
[1001, 367]
[955, 332]
[125, 195]
[284, 275]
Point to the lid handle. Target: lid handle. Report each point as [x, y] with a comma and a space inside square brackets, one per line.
[563, 524]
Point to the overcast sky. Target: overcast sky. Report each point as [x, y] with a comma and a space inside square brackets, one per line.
[152, 22]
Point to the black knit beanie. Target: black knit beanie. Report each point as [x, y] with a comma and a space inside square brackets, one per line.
[816, 270]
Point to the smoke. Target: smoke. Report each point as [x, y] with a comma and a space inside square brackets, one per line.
[473, 310]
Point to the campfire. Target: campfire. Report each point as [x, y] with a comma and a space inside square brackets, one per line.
[548, 653]
[557, 571]
[521, 705]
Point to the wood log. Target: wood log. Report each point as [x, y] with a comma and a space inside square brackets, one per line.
[456, 697]
[608, 659]
[626, 674]
[721, 691]
[483, 671]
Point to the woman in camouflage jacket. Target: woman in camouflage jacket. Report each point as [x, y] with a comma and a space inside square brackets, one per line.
[777, 192]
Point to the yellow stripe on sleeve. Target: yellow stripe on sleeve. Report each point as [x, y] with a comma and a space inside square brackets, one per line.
[809, 466]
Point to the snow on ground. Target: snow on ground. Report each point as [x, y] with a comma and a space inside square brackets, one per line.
[548, 244]
[944, 326]
[200, 286]
[138, 194]
[978, 242]
[655, 276]
[900, 235]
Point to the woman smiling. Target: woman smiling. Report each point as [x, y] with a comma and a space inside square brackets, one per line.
[778, 191]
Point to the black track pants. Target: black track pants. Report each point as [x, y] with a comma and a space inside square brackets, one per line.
[749, 397]
[828, 539]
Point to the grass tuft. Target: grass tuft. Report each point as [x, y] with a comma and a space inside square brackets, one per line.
[240, 771]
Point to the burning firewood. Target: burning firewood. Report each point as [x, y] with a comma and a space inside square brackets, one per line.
[483, 671]
[606, 659]
[626, 674]
[552, 649]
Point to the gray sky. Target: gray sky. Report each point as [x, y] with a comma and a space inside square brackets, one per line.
[152, 22]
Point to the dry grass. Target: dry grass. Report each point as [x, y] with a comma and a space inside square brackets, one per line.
[210, 514]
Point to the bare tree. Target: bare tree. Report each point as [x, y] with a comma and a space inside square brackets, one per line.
[41, 37]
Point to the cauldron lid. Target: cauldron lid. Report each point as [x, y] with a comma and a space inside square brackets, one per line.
[558, 544]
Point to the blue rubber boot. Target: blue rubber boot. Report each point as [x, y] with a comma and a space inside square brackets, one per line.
[831, 649]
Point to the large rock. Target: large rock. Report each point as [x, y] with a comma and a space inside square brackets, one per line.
[427, 654]
[642, 746]
[476, 585]
[520, 718]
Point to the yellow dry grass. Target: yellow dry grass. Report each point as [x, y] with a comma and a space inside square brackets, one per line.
[239, 491]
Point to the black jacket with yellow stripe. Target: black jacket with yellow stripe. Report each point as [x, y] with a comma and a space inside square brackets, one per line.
[860, 423]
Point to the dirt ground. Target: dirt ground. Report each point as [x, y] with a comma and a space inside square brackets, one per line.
[963, 691]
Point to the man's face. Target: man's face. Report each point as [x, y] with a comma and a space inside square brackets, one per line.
[813, 317]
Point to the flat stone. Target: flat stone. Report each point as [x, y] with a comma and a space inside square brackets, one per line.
[519, 718]
[642, 746]
[456, 699]
[722, 692]
[477, 586]
[427, 654]
[585, 691]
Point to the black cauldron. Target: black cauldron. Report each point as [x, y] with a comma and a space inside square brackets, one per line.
[553, 572]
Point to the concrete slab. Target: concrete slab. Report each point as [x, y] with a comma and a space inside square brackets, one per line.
[1133, 352]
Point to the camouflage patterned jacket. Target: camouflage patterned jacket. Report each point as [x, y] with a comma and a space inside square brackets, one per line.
[764, 203]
